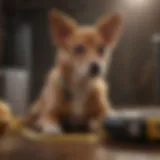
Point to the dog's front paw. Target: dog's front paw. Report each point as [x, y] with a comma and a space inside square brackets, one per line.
[51, 129]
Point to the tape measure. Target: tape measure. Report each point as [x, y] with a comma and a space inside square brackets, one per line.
[134, 126]
[153, 128]
[30, 134]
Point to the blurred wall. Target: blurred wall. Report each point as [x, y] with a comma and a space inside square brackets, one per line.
[132, 71]
[1, 31]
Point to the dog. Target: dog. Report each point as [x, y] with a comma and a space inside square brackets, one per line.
[75, 87]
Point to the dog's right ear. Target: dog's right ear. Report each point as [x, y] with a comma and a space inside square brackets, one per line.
[61, 26]
[110, 27]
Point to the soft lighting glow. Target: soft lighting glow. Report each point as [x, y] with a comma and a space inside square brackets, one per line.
[137, 2]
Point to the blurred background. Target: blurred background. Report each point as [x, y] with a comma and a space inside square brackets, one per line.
[26, 53]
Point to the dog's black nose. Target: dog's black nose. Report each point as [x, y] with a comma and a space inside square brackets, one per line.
[94, 69]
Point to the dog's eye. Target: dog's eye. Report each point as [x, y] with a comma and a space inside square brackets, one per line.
[100, 50]
[79, 49]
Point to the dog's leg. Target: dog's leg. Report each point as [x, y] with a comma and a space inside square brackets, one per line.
[99, 105]
[48, 121]
[103, 109]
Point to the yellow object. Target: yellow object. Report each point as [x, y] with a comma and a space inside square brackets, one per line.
[28, 133]
[153, 128]
[37, 136]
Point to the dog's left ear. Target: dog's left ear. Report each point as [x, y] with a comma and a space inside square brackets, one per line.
[61, 26]
[109, 28]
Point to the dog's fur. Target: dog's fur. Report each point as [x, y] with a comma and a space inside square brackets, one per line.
[89, 100]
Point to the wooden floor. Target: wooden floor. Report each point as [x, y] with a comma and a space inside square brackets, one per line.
[16, 148]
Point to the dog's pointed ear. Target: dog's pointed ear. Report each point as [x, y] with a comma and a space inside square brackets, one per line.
[61, 26]
[109, 28]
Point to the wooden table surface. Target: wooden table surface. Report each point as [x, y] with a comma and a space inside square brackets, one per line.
[18, 149]
[126, 151]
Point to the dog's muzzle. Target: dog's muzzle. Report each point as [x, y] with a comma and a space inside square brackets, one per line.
[94, 69]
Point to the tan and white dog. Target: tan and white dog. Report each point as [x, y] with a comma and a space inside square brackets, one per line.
[76, 88]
